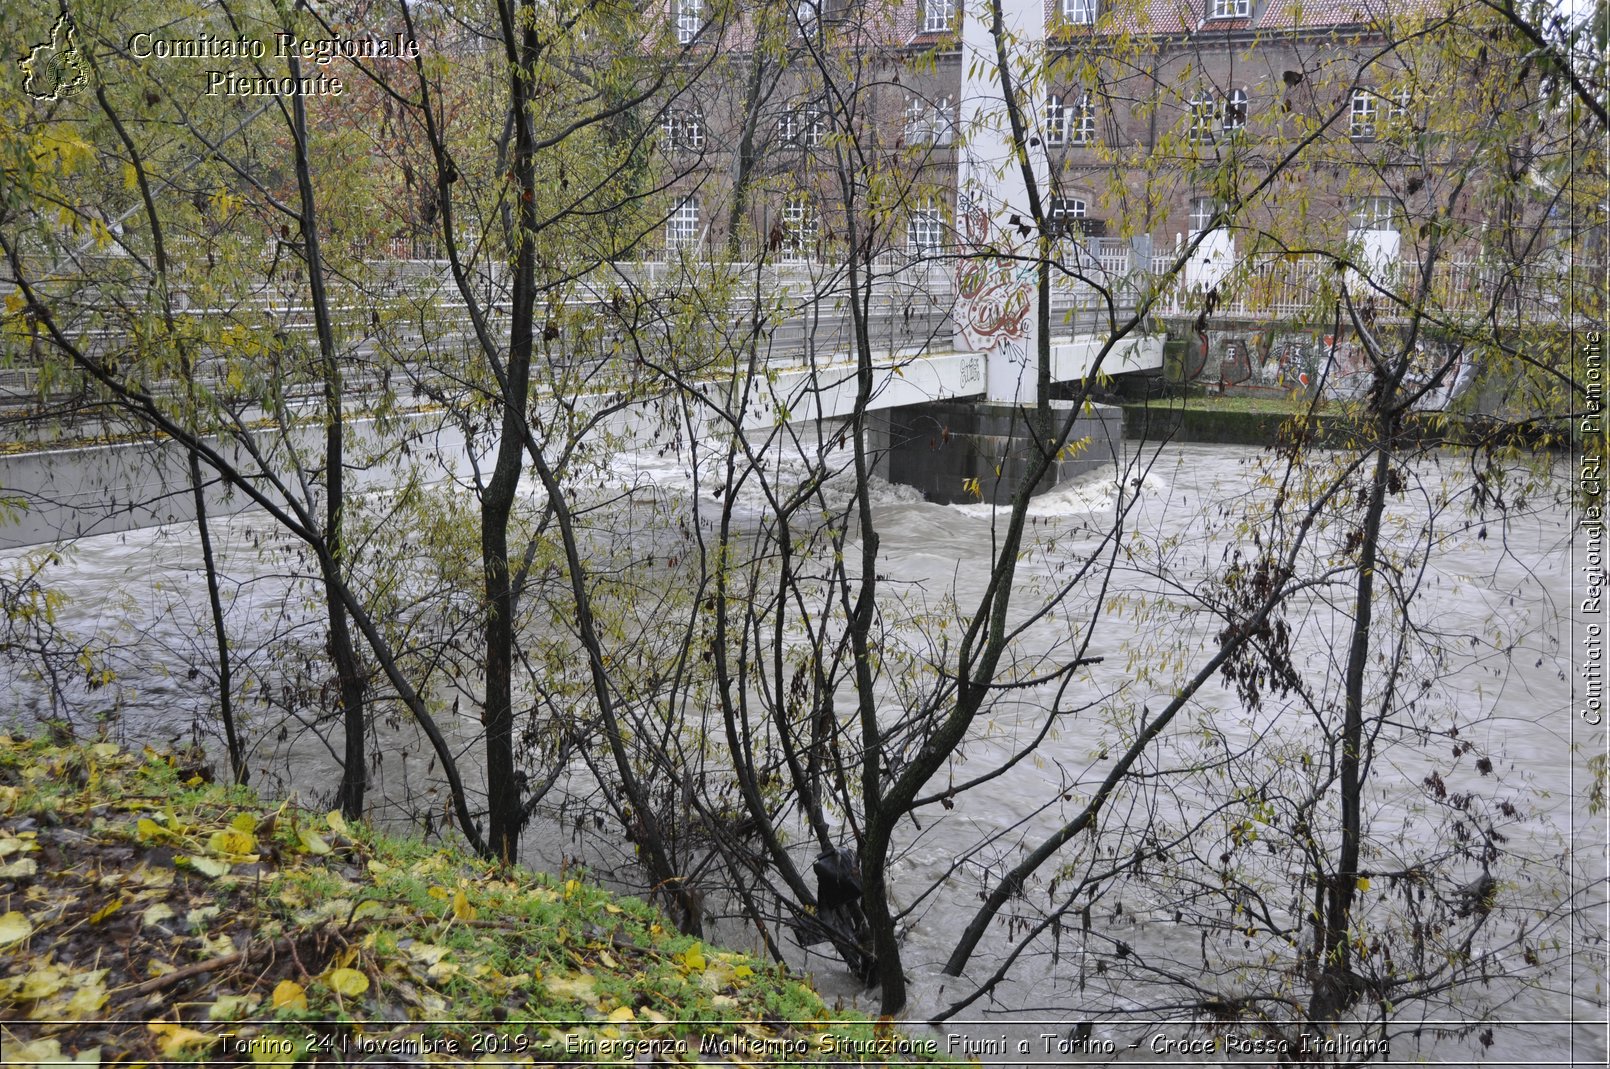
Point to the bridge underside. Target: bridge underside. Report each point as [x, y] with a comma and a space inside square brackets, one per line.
[960, 452]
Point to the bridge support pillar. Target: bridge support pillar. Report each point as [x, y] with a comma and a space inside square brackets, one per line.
[941, 447]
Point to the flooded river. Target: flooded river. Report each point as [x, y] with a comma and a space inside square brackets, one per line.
[1493, 598]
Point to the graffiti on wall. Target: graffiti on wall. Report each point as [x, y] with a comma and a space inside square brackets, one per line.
[1310, 364]
[994, 294]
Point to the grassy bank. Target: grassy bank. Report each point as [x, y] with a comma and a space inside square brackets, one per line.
[147, 916]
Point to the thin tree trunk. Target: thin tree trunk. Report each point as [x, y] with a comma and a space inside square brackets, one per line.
[349, 676]
[226, 705]
[1335, 991]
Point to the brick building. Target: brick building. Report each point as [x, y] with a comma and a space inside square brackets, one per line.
[1148, 112]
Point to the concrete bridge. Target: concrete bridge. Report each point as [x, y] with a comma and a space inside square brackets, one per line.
[919, 397]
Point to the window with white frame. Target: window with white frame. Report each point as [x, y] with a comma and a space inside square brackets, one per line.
[1397, 110]
[1082, 121]
[1065, 215]
[684, 130]
[1203, 209]
[1079, 12]
[944, 120]
[804, 125]
[682, 228]
[689, 20]
[1201, 128]
[1371, 213]
[1229, 9]
[1235, 111]
[925, 231]
[1361, 115]
[1056, 120]
[930, 122]
[938, 15]
[801, 225]
[812, 125]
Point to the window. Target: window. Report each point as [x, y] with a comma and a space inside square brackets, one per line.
[1202, 211]
[801, 225]
[1371, 213]
[689, 20]
[938, 15]
[925, 230]
[1229, 9]
[682, 228]
[813, 125]
[1079, 12]
[1065, 215]
[1082, 122]
[802, 124]
[930, 122]
[683, 130]
[1201, 128]
[1361, 116]
[1235, 111]
[1397, 112]
[1056, 120]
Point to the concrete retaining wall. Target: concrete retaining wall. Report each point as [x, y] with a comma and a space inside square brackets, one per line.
[941, 448]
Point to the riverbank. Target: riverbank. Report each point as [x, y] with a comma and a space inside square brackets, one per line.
[149, 915]
[1263, 421]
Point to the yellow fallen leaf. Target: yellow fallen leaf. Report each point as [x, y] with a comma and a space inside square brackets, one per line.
[176, 1039]
[23, 866]
[42, 983]
[579, 986]
[693, 959]
[158, 877]
[461, 906]
[17, 844]
[288, 994]
[211, 867]
[87, 1001]
[105, 750]
[49, 1052]
[349, 982]
[427, 953]
[233, 844]
[231, 1008]
[312, 841]
[244, 822]
[201, 915]
[338, 823]
[14, 928]
[156, 914]
[106, 911]
[276, 1053]
[622, 1013]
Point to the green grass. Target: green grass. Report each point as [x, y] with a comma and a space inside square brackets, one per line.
[279, 936]
[1282, 406]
